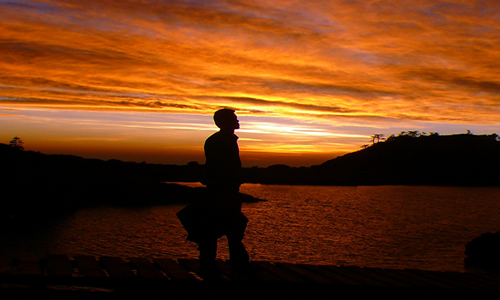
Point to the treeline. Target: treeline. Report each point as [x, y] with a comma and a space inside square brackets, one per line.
[377, 137]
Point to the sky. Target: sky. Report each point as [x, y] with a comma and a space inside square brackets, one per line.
[309, 80]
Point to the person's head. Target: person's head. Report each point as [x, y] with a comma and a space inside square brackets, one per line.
[226, 119]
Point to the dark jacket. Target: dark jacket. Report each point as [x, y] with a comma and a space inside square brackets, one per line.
[220, 211]
[223, 164]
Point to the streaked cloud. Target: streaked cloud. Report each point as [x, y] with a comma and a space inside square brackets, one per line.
[331, 69]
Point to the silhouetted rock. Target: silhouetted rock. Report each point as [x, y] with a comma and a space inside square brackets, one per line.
[484, 251]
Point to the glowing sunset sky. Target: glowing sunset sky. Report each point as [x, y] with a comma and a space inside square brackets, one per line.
[140, 80]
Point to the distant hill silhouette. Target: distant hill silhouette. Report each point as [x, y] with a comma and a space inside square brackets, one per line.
[453, 160]
[462, 159]
[39, 185]
[47, 183]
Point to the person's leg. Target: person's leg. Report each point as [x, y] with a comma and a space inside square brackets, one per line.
[208, 253]
[238, 255]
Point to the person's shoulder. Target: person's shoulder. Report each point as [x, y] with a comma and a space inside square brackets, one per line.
[214, 136]
[213, 139]
[220, 137]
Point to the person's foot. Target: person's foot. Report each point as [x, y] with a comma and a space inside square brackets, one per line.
[242, 267]
[208, 271]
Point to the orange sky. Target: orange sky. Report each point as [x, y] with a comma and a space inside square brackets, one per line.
[139, 80]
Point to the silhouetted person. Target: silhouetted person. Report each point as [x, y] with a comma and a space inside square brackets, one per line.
[220, 213]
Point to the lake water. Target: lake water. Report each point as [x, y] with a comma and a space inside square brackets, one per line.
[383, 226]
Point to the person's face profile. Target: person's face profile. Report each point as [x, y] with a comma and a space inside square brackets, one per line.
[236, 122]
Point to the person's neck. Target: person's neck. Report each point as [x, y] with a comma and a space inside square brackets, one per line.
[226, 130]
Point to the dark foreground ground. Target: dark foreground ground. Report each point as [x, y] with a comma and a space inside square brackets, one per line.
[87, 277]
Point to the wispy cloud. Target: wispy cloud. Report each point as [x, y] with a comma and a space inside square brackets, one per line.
[335, 63]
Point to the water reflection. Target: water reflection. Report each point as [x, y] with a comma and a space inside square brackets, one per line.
[410, 227]
[397, 226]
